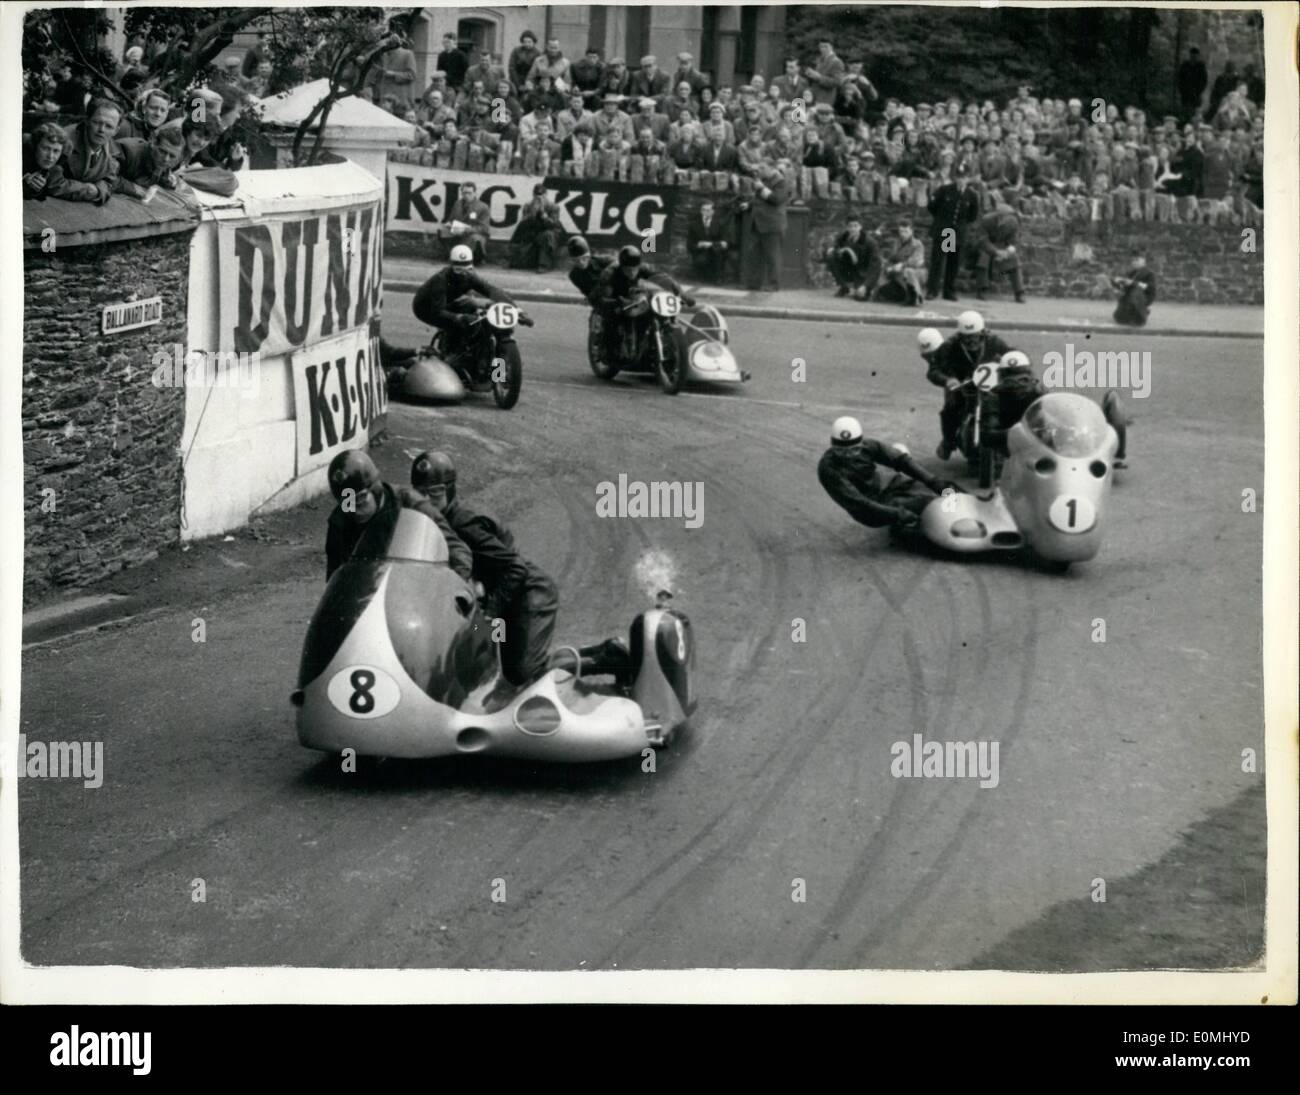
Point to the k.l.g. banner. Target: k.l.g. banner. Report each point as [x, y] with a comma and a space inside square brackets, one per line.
[609, 214]
[291, 281]
[339, 395]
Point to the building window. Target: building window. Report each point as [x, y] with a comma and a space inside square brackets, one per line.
[476, 37]
[638, 35]
[709, 40]
[596, 28]
[748, 45]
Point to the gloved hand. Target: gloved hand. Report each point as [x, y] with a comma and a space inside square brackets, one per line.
[907, 520]
[688, 301]
[525, 320]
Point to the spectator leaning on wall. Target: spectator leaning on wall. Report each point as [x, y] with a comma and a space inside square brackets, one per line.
[42, 171]
[90, 155]
[995, 253]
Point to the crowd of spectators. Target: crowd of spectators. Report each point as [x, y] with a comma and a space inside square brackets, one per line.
[82, 144]
[829, 130]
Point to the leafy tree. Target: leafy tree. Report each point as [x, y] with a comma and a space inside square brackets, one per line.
[923, 54]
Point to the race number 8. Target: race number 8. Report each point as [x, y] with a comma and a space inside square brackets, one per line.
[363, 692]
[502, 314]
[1070, 513]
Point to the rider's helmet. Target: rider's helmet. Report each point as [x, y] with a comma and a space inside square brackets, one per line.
[970, 331]
[929, 340]
[845, 431]
[578, 247]
[353, 470]
[1016, 360]
[629, 260]
[462, 256]
[434, 469]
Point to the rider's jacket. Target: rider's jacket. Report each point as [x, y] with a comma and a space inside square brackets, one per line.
[951, 361]
[587, 278]
[615, 288]
[849, 474]
[435, 299]
[502, 570]
[345, 537]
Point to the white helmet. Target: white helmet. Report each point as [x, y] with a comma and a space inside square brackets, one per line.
[461, 255]
[970, 323]
[929, 339]
[1015, 359]
[846, 431]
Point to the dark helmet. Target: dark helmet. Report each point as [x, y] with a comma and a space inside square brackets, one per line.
[578, 247]
[353, 470]
[629, 257]
[433, 469]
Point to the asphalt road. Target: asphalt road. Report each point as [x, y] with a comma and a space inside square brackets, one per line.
[1108, 751]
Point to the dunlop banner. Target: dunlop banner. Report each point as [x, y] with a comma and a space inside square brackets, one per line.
[288, 282]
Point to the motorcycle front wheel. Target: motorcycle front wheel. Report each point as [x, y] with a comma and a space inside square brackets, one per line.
[668, 362]
[506, 390]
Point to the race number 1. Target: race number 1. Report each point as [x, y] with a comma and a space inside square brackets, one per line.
[1070, 513]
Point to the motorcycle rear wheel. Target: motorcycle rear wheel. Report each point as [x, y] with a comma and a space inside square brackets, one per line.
[605, 370]
[506, 392]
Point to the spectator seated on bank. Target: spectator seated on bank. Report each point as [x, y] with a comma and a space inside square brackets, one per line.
[903, 272]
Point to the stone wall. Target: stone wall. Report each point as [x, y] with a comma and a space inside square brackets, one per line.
[1201, 263]
[101, 444]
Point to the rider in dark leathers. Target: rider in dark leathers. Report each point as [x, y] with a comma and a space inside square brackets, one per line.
[515, 590]
[954, 362]
[849, 471]
[362, 522]
[617, 289]
[444, 302]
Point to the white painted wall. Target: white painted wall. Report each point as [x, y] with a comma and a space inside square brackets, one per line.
[239, 441]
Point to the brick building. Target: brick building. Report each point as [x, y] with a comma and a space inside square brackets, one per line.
[729, 43]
